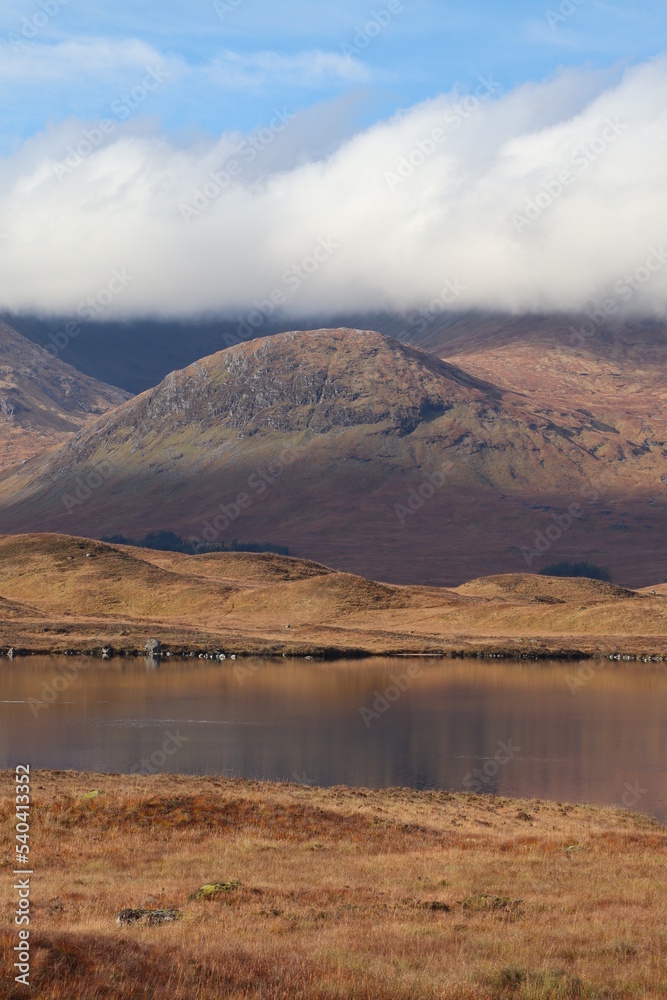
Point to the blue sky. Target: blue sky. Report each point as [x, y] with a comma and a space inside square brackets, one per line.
[230, 66]
[205, 149]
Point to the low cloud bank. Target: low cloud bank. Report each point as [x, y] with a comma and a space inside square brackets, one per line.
[549, 197]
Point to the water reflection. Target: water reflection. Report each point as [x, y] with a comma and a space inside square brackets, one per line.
[305, 721]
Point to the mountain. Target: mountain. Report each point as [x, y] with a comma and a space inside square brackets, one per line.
[134, 354]
[368, 454]
[42, 400]
[618, 371]
[137, 354]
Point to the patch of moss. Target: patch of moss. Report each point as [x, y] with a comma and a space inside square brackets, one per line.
[213, 889]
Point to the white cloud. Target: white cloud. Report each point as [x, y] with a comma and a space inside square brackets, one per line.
[104, 59]
[305, 69]
[455, 216]
[74, 60]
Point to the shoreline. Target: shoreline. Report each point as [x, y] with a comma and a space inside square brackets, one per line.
[93, 779]
[331, 655]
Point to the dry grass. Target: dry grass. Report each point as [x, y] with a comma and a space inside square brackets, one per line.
[243, 603]
[343, 893]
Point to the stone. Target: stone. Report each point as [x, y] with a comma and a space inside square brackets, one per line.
[151, 917]
[153, 647]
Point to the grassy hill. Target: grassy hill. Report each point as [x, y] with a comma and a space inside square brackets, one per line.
[67, 593]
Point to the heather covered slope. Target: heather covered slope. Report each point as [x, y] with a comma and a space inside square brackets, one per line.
[615, 375]
[357, 450]
[59, 592]
[42, 400]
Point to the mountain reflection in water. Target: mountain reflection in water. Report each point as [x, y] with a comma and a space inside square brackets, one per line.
[302, 721]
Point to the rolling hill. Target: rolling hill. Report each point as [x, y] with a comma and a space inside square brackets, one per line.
[60, 593]
[371, 455]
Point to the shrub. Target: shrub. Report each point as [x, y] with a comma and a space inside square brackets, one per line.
[168, 541]
[586, 569]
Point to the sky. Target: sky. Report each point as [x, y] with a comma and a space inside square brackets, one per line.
[248, 156]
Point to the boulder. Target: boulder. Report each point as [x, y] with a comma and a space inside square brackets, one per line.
[151, 917]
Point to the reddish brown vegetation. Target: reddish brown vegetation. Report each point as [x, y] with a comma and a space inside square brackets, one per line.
[341, 893]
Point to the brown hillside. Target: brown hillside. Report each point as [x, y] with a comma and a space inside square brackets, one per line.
[42, 400]
[537, 588]
[88, 594]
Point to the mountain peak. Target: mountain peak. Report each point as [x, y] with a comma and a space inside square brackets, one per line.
[319, 380]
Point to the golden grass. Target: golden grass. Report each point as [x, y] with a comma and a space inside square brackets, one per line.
[56, 598]
[395, 894]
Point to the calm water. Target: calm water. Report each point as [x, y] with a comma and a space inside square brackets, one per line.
[301, 721]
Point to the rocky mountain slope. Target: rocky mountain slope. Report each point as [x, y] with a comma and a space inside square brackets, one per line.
[371, 455]
[42, 400]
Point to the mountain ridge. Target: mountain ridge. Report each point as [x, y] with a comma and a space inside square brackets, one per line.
[43, 400]
[138, 354]
[357, 450]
